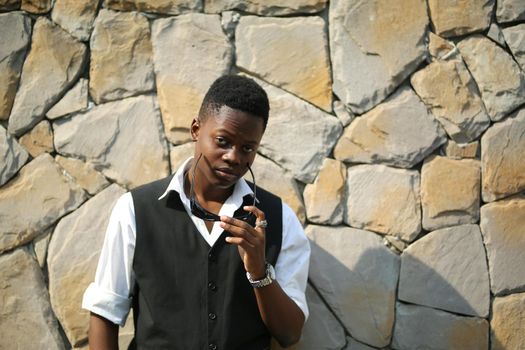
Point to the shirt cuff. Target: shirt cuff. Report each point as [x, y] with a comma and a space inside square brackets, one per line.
[107, 304]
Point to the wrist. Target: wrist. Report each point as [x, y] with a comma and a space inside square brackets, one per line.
[267, 279]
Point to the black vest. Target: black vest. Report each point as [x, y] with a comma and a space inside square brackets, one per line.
[187, 295]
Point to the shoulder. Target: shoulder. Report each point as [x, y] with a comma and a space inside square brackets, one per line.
[155, 187]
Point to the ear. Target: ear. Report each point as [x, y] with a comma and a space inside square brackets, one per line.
[195, 129]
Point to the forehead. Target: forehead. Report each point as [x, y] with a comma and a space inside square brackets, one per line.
[235, 122]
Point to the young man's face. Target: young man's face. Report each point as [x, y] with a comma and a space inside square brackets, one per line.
[228, 140]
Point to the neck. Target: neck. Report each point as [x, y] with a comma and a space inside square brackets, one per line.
[204, 191]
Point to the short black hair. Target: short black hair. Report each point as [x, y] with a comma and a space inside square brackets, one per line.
[237, 92]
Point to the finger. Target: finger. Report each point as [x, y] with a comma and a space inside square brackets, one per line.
[247, 246]
[259, 214]
[249, 234]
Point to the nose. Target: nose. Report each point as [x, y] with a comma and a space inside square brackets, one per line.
[232, 156]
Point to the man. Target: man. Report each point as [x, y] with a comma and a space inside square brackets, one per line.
[206, 260]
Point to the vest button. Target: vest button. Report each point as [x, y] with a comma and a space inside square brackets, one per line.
[212, 346]
[212, 316]
[212, 286]
[211, 257]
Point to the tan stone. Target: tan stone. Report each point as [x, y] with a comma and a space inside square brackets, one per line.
[503, 158]
[496, 34]
[455, 18]
[508, 322]
[266, 7]
[121, 56]
[41, 186]
[12, 154]
[324, 198]
[46, 75]
[450, 192]
[502, 224]
[186, 47]
[457, 151]
[515, 38]
[40, 244]
[84, 174]
[510, 10]
[75, 16]
[37, 6]
[441, 49]
[291, 53]
[178, 154]
[344, 115]
[172, 7]
[74, 100]
[9, 5]
[26, 318]
[39, 139]
[447, 88]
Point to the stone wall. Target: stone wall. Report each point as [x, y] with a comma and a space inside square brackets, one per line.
[397, 134]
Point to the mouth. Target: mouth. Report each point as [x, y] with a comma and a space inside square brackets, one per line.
[227, 174]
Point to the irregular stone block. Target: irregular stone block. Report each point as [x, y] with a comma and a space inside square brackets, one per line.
[510, 10]
[440, 49]
[496, 35]
[186, 47]
[74, 100]
[290, 53]
[75, 16]
[40, 244]
[374, 46]
[265, 7]
[178, 154]
[171, 7]
[498, 76]
[12, 154]
[342, 113]
[508, 322]
[352, 344]
[324, 198]
[450, 192]
[27, 320]
[384, 200]
[16, 30]
[447, 88]
[72, 260]
[458, 151]
[122, 139]
[363, 294]
[120, 49]
[37, 6]
[455, 18]
[503, 159]
[39, 139]
[315, 134]
[84, 173]
[47, 74]
[9, 5]
[419, 327]
[399, 132]
[515, 38]
[502, 224]
[43, 188]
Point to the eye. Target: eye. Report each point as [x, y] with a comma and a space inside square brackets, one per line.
[221, 141]
[248, 148]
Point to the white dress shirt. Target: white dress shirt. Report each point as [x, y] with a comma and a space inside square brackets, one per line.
[110, 294]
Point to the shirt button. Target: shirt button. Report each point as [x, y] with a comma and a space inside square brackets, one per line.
[212, 286]
[212, 316]
[212, 346]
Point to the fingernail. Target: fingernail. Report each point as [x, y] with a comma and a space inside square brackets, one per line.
[222, 224]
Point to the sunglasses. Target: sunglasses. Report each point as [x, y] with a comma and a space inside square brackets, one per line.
[200, 212]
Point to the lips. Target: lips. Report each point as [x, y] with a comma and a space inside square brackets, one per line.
[227, 174]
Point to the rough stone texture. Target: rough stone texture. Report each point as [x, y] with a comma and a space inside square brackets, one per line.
[26, 318]
[324, 198]
[75, 16]
[40, 245]
[419, 327]
[515, 38]
[84, 174]
[16, 30]
[508, 322]
[450, 192]
[342, 113]
[353, 344]
[363, 295]
[8, 5]
[503, 159]
[500, 81]
[37, 6]
[455, 18]
[440, 49]
[384, 200]
[447, 269]
[510, 10]
[314, 134]
[122, 139]
[172, 7]
[448, 89]
[457, 151]
[12, 154]
[185, 47]
[178, 154]
[265, 7]
[46, 75]
[399, 132]
[496, 34]
[502, 224]
[39, 139]
[291, 53]
[121, 56]
[375, 45]
[229, 21]
[72, 266]
[41, 182]
[74, 100]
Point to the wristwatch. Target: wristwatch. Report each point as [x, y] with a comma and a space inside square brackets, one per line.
[267, 280]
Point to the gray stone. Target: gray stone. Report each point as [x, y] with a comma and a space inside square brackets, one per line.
[16, 31]
[84, 174]
[75, 16]
[363, 294]
[344, 115]
[39, 139]
[40, 245]
[419, 327]
[508, 322]
[120, 49]
[515, 38]
[229, 21]
[499, 78]
[502, 224]
[37, 6]
[374, 46]
[496, 34]
[384, 200]
[266, 7]
[26, 318]
[41, 186]
[46, 75]
[510, 10]
[399, 132]
[352, 344]
[186, 47]
[12, 154]
[455, 18]
[171, 7]
[122, 139]
[458, 151]
[178, 154]
[72, 260]
[74, 100]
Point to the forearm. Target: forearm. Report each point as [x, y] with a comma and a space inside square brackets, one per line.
[103, 334]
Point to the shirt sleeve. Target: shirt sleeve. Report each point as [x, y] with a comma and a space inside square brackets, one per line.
[291, 269]
[110, 294]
